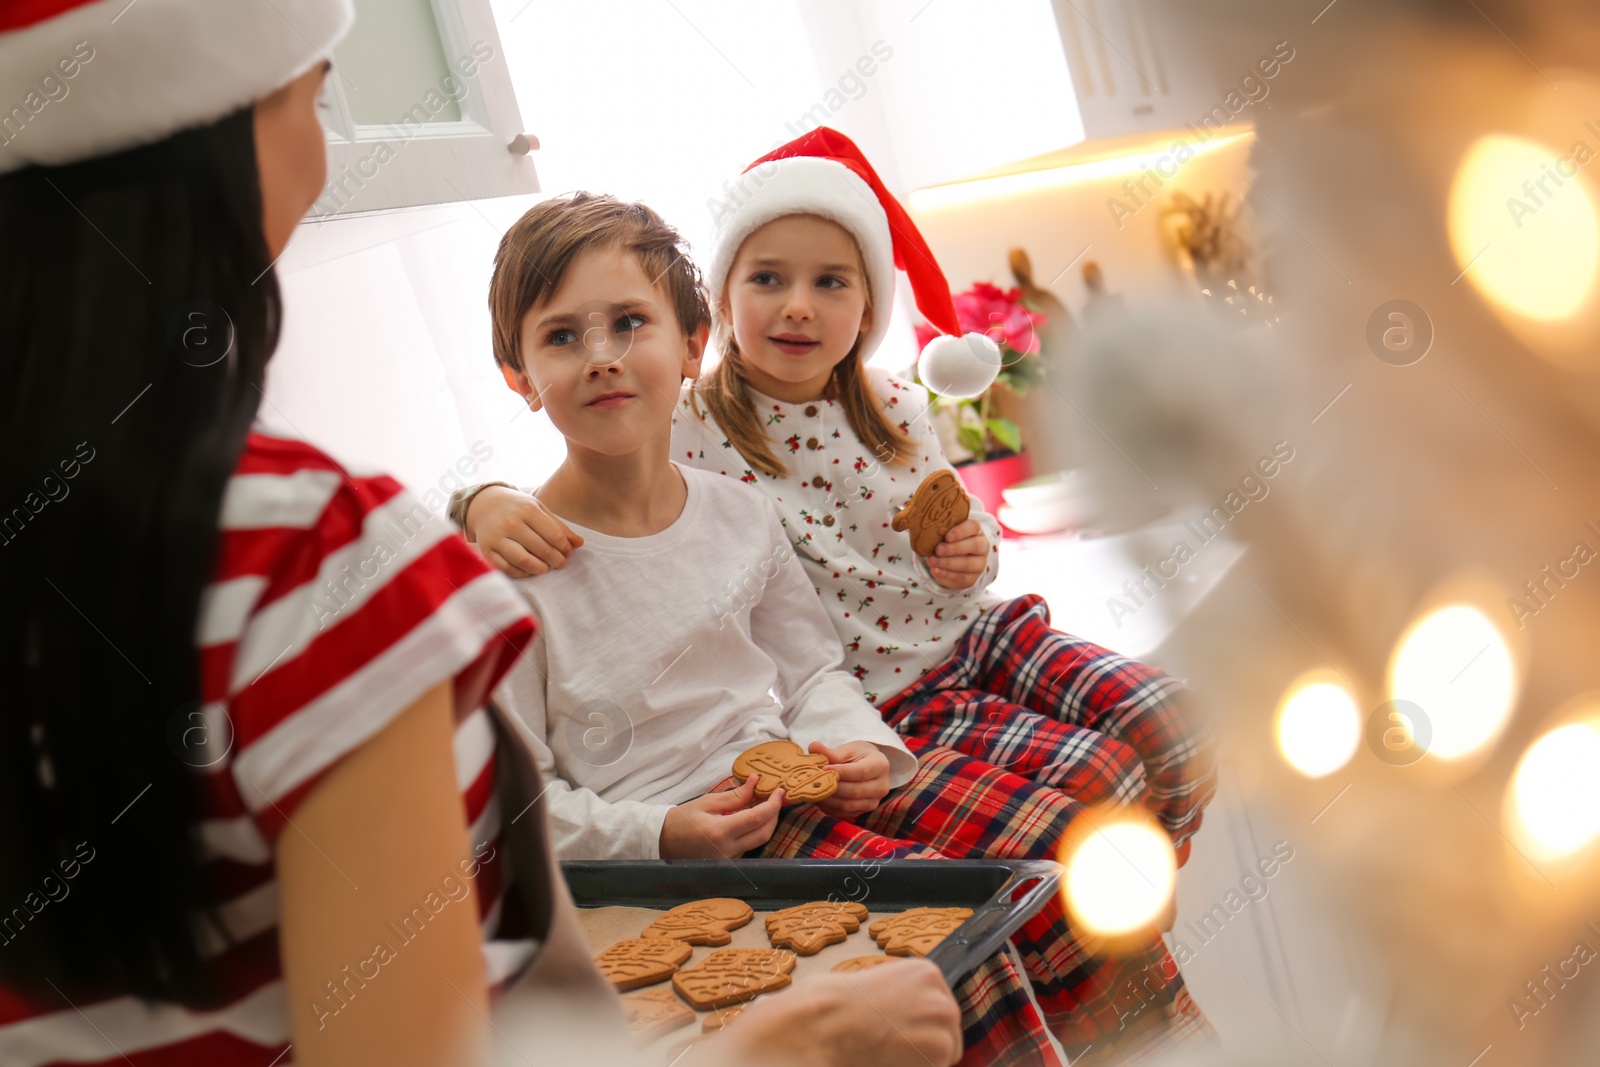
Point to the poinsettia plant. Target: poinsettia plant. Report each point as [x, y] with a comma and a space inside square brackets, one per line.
[1010, 323]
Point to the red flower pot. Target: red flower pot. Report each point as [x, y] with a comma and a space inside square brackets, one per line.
[987, 480]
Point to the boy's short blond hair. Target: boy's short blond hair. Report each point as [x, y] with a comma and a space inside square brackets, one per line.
[536, 253]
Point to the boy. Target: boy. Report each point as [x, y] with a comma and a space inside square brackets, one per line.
[687, 631]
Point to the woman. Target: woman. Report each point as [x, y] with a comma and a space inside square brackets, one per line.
[229, 812]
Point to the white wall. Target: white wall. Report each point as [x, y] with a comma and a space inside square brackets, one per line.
[974, 85]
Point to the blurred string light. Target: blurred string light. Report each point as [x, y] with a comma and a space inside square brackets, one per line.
[1523, 227]
[1554, 797]
[1455, 664]
[1120, 875]
[1317, 725]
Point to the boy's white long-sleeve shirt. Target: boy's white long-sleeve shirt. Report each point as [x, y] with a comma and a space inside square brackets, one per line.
[659, 659]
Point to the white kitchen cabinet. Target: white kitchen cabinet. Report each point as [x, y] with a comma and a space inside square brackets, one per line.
[1132, 71]
[419, 109]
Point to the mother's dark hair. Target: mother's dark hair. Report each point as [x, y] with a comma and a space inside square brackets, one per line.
[123, 279]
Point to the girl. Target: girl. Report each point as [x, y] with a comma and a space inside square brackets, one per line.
[213, 806]
[800, 277]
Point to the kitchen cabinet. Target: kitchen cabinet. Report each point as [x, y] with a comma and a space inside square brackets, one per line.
[1131, 70]
[419, 109]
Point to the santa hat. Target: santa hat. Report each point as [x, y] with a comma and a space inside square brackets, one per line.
[823, 173]
[84, 78]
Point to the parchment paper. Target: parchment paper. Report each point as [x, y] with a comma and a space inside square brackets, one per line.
[606, 926]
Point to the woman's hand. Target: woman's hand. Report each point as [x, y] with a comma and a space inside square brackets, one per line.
[898, 1015]
[516, 533]
[961, 556]
[863, 778]
[720, 825]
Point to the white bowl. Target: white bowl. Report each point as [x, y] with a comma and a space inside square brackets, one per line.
[1053, 516]
[1043, 489]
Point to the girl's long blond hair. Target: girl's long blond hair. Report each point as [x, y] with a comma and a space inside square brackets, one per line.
[727, 396]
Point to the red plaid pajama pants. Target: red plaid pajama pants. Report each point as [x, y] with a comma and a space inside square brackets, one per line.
[1050, 980]
[1018, 731]
[1065, 712]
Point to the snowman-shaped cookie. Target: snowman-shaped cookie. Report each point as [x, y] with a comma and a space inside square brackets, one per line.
[936, 507]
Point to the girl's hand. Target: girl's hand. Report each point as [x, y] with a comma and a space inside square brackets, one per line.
[516, 534]
[863, 778]
[720, 825]
[960, 557]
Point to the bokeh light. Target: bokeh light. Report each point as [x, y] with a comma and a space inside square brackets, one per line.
[1121, 876]
[1523, 227]
[1555, 793]
[1317, 726]
[1455, 664]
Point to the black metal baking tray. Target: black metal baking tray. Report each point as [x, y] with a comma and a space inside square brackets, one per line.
[1002, 894]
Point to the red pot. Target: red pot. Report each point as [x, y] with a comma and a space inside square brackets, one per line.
[987, 480]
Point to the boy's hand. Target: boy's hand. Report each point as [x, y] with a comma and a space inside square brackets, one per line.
[960, 557]
[863, 778]
[722, 825]
[516, 534]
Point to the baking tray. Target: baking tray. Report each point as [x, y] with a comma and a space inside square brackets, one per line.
[1002, 894]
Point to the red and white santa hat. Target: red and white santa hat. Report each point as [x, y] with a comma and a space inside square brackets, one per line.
[85, 78]
[823, 173]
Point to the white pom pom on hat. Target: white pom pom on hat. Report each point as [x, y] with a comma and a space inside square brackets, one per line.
[823, 173]
[959, 366]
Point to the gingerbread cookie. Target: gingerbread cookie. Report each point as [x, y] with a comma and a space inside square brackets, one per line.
[936, 507]
[702, 922]
[803, 776]
[807, 929]
[655, 1012]
[918, 931]
[861, 963]
[642, 961]
[719, 1019]
[733, 976]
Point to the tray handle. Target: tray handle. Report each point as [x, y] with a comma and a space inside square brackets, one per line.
[990, 925]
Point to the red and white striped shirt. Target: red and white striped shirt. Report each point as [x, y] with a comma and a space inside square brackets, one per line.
[337, 601]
